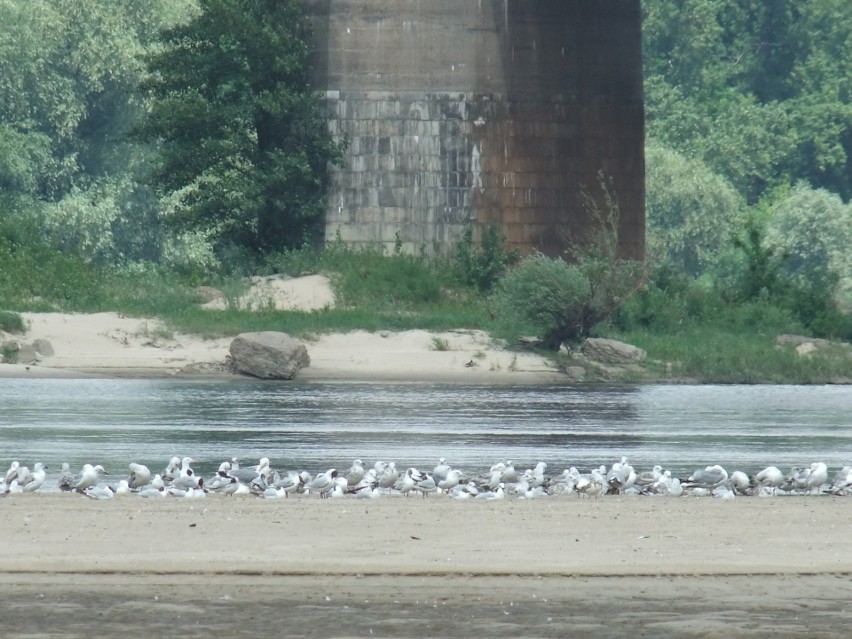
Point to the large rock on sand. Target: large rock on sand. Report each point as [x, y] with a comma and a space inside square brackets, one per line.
[269, 355]
[612, 352]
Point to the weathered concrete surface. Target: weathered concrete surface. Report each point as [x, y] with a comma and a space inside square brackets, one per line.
[477, 110]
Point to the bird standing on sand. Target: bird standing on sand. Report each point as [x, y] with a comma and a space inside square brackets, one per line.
[87, 477]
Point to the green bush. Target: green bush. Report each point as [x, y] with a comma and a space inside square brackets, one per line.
[546, 296]
[481, 266]
[11, 322]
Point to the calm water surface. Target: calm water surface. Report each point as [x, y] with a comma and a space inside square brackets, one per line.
[317, 426]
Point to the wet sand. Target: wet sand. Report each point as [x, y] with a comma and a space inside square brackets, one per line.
[397, 567]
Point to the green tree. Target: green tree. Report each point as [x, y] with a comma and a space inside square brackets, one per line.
[67, 99]
[242, 148]
[759, 90]
[691, 212]
[813, 229]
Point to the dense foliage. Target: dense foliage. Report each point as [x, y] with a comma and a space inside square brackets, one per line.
[242, 150]
[146, 147]
[749, 155]
[759, 91]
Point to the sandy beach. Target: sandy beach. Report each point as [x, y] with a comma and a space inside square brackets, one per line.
[397, 567]
[400, 567]
[115, 345]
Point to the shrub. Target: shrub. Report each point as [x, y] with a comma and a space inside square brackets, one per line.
[546, 295]
[11, 322]
[481, 266]
[563, 302]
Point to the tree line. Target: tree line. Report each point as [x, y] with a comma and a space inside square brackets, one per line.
[185, 132]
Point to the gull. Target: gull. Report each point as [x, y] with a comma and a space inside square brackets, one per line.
[87, 477]
[195, 493]
[236, 487]
[356, 473]
[66, 477]
[538, 475]
[739, 482]
[152, 491]
[36, 479]
[172, 470]
[368, 481]
[187, 482]
[665, 485]
[248, 475]
[440, 471]
[12, 473]
[408, 481]
[219, 480]
[368, 493]
[290, 483]
[23, 475]
[123, 488]
[185, 469]
[186, 486]
[770, 477]
[99, 492]
[674, 488]
[464, 492]
[389, 476]
[817, 476]
[510, 475]
[339, 487]
[591, 485]
[797, 479]
[273, 493]
[322, 483]
[842, 481]
[496, 476]
[451, 480]
[426, 485]
[648, 477]
[565, 483]
[501, 466]
[497, 494]
[532, 493]
[10, 489]
[710, 477]
[140, 475]
[723, 491]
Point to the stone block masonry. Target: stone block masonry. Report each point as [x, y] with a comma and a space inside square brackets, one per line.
[461, 111]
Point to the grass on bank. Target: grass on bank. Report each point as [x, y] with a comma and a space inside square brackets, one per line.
[689, 334]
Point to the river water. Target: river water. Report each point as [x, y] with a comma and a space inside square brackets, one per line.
[316, 426]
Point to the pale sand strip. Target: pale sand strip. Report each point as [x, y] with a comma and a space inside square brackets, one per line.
[434, 536]
[109, 344]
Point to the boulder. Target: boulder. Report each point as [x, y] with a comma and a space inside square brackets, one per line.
[43, 347]
[612, 352]
[17, 352]
[269, 355]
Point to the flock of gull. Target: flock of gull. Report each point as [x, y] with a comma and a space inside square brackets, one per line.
[178, 479]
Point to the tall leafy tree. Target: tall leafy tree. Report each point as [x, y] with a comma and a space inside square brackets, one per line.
[759, 90]
[243, 150]
[70, 69]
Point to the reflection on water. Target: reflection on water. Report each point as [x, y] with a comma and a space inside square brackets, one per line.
[316, 426]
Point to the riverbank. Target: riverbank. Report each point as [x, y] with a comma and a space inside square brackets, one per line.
[109, 344]
[685, 567]
[115, 345]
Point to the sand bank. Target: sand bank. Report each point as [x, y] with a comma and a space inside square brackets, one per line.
[115, 345]
[399, 567]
